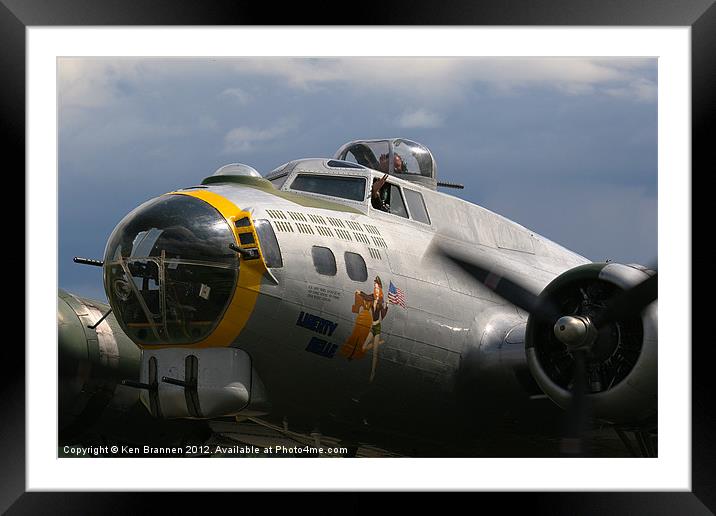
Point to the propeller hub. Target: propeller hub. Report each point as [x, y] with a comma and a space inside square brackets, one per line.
[575, 332]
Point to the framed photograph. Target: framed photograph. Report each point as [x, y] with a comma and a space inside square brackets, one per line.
[573, 147]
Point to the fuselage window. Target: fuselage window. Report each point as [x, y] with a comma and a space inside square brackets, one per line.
[417, 206]
[355, 267]
[268, 243]
[352, 188]
[323, 260]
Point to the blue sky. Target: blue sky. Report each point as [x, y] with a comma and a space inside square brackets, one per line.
[566, 147]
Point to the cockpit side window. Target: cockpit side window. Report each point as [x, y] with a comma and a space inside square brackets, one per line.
[346, 187]
[397, 206]
[416, 203]
[387, 197]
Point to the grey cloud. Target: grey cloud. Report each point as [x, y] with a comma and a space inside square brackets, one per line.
[236, 94]
[643, 90]
[522, 143]
[600, 221]
[449, 78]
[419, 119]
[243, 139]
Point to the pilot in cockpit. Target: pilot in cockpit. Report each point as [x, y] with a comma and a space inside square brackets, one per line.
[398, 164]
[379, 194]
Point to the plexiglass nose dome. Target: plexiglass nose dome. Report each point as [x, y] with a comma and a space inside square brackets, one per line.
[169, 273]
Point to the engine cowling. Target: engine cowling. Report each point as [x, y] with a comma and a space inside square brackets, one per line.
[94, 356]
[621, 365]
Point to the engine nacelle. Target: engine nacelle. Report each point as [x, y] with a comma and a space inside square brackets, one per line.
[94, 356]
[621, 365]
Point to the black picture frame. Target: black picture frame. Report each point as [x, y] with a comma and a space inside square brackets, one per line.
[700, 15]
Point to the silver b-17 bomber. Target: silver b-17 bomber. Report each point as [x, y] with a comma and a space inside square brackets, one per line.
[345, 300]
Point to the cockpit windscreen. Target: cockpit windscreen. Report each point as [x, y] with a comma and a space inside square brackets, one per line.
[346, 187]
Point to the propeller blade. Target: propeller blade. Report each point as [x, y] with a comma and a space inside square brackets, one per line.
[628, 303]
[578, 412]
[622, 306]
[505, 287]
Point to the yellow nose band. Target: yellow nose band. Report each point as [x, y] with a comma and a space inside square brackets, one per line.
[247, 289]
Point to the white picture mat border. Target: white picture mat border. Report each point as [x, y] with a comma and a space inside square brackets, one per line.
[670, 471]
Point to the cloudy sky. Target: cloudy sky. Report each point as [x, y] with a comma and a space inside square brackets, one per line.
[566, 147]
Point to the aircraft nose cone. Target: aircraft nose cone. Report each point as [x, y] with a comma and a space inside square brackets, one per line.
[169, 272]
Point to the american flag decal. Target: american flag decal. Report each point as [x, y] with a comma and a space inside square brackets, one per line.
[396, 295]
